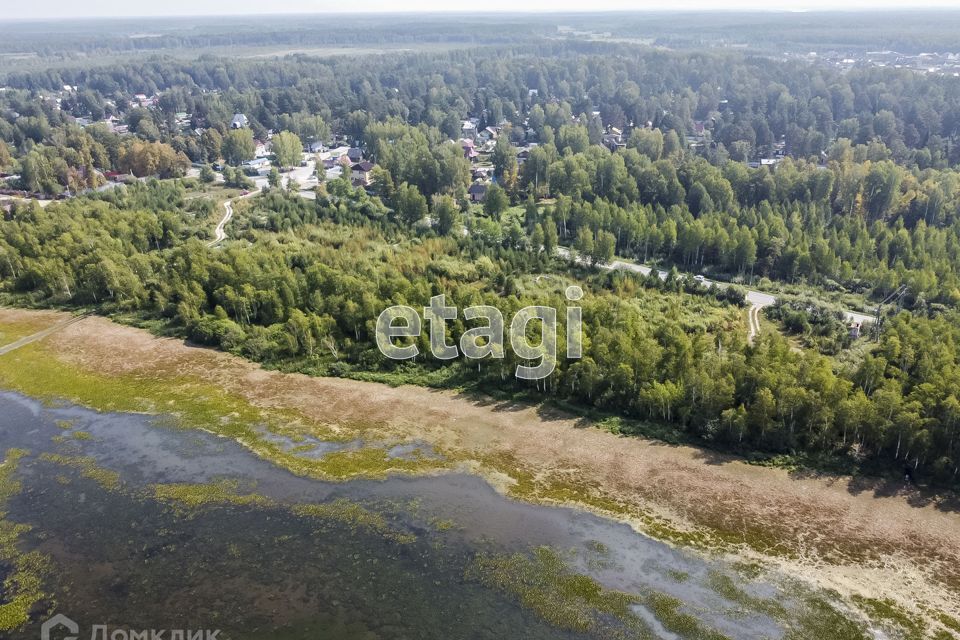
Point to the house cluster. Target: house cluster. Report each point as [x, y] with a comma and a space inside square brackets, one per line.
[476, 143]
[183, 120]
[480, 137]
[937, 63]
[144, 101]
[346, 160]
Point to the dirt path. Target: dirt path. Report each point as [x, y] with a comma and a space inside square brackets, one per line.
[22, 342]
[855, 535]
[220, 234]
[753, 320]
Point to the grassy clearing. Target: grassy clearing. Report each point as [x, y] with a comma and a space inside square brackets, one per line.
[11, 331]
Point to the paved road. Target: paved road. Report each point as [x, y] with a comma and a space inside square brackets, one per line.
[22, 342]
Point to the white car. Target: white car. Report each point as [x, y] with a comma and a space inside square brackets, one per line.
[699, 278]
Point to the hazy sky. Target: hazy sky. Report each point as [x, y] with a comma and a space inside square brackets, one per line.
[51, 9]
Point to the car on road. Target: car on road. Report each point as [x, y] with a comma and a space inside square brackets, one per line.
[699, 278]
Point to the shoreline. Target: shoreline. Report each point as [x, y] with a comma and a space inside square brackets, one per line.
[831, 531]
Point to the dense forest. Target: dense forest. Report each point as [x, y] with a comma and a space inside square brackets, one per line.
[304, 282]
[609, 150]
[866, 196]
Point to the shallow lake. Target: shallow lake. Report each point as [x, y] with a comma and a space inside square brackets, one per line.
[408, 568]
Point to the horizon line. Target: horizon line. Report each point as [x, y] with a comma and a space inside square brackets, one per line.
[488, 13]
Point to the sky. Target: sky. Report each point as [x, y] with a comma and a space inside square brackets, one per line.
[59, 9]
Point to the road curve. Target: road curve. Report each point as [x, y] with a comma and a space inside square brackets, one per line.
[757, 299]
[219, 235]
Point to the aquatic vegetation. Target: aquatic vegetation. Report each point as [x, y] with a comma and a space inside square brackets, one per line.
[667, 609]
[949, 622]
[725, 586]
[890, 615]
[195, 403]
[353, 514]
[88, 468]
[188, 498]
[822, 620]
[23, 586]
[544, 584]
[565, 488]
[679, 576]
[441, 525]
[194, 496]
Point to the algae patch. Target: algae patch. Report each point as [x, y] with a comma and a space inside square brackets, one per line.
[544, 583]
[106, 478]
[23, 585]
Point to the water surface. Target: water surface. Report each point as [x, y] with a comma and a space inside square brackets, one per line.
[123, 558]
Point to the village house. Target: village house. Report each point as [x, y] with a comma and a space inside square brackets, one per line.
[239, 121]
[360, 173]
[469, 152]
[262, 149]
[335, 154]
[855, 329]
[257, 165]
[477, 192]
[488, 134]
[183, 120]
[481, 173]
[614, 139]
[468, 128]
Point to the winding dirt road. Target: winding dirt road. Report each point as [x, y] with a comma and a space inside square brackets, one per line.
[219, 235]
[753, 318]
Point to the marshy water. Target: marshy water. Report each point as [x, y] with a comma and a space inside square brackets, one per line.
[408, 557]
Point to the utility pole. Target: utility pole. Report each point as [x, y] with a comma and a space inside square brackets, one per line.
[896, 295]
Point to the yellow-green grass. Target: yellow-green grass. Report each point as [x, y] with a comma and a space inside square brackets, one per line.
[193, 402]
